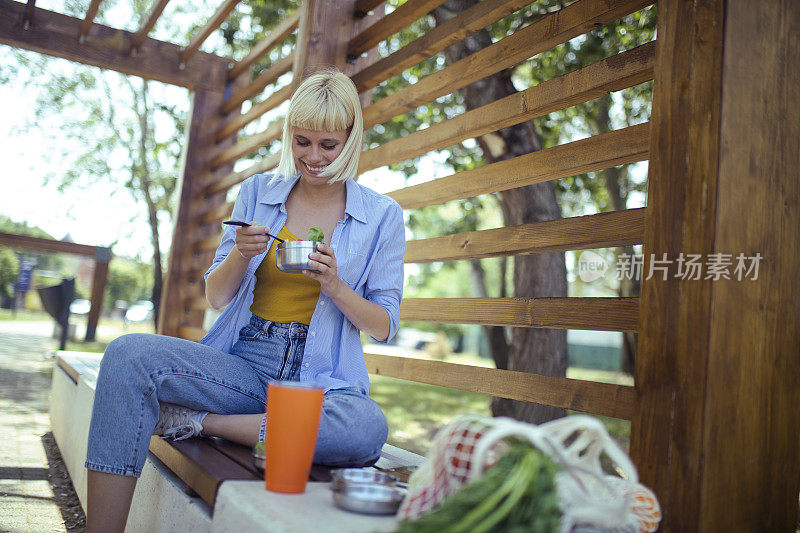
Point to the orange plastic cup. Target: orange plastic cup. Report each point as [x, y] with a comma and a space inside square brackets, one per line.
[293, 412]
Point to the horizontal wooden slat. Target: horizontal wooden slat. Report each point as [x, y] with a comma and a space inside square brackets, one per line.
[588, 396]
[213, 23]
[216, 214]
[196, 304]
[281, 67]
[109, 48]
[248, 145]
[606, 314]
[190, 333]
[603, 151]
[610, 74]
[390, 24]
[266, 163]
[575, 19]
[276, 36]
[152, 18]
[363, 7]
[258, 109]
[208, 244]
[454, 30]
[603, 230]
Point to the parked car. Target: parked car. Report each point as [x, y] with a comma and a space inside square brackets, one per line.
[80, 307]
[139, 311]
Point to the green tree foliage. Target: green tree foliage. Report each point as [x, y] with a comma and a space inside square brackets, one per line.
[43, 261]
[9, 270]
[129, 281]
[118, 128]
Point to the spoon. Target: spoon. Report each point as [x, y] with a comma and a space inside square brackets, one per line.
[245, 225]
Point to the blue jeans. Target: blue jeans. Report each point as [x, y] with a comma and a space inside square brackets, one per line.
[138, 371]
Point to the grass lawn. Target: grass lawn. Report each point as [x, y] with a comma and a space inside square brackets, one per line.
[415, 411]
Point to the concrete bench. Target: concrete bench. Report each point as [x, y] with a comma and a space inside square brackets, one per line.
[202, 484]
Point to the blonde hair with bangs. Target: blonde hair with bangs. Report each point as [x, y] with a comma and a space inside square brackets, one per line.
[325, 101]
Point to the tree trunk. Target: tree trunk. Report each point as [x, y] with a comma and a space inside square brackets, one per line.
[142, 172]
[541, 351]
[616, 180]
[498, 344]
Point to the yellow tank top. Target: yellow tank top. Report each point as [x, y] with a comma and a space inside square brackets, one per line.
[283, 296]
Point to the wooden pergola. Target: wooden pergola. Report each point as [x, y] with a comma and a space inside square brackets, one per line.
[100, 254]
[715, 408]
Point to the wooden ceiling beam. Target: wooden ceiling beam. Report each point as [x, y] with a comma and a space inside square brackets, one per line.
[54, 34]
[152, 18]
[215, 22]
[91, 13]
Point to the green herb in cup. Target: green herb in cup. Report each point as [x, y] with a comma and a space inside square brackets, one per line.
[316, 234]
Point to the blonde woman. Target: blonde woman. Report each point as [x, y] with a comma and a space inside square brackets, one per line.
[275, 325]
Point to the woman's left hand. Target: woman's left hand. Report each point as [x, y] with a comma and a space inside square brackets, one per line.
[323, 265]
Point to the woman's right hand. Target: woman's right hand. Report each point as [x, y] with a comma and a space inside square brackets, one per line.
[251, 240]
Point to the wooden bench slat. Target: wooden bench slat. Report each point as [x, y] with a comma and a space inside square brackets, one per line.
[588, 396]
[601, 314]
[199, 465]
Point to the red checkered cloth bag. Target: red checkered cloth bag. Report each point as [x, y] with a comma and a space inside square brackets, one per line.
[470, 444]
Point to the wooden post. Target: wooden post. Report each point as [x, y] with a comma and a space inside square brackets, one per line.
[184, 277]
[717, 428]
[330, 26]
[102, 258]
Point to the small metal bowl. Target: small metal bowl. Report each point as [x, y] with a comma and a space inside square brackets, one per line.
[348, 476]
[368, 498]
[292, 256]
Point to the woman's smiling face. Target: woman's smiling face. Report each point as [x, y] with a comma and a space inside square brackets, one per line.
[314, 150]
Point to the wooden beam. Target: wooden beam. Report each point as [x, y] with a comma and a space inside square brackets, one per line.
[603, 151]
[144, 31]
[607, 314]
[91, 13]
[454, 30]
[275, 37]
[592, 81]
[257, 111]
[216, 214]
[184, 258]
[603, 230]
[266, 163]
[563, 25]
[598, 398]
[717, 428]
[54, 34]
[362, 7]
[27, 18]
[214, 22]
[39, 244]
[390, 24]
[248, 145]
[271, 75]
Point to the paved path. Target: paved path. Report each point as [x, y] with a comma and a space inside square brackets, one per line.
[27, 500]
